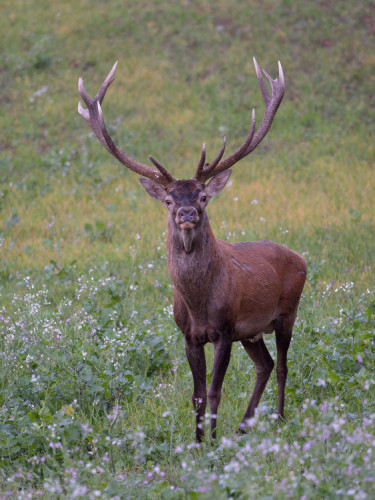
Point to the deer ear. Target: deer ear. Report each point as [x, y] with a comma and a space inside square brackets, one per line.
[153, 188]
[217, 183]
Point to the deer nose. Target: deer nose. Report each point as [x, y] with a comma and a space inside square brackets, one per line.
[187, 214]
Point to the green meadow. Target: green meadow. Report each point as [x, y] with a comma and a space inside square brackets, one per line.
[95, 398]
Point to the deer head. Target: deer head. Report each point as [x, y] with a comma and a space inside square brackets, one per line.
[186, 200]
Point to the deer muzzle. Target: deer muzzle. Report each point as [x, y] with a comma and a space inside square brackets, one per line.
[187, 217]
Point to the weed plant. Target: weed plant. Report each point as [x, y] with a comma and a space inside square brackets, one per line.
[95, 397]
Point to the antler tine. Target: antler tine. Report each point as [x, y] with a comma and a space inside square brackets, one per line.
[263, 87]
[201, 163]
[91, 113]
[94, 115]
[220, 166]
[272, 104]
[219, 156]
[107, 82]
[103, 88]
[162, 169]
[99, 96]
[208, 167]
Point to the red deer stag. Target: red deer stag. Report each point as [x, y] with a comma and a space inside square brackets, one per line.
[222, 292]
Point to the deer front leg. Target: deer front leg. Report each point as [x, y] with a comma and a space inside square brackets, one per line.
[222, 349]
[197, 362]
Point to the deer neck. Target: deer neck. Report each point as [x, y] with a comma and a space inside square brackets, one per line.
[192, 255]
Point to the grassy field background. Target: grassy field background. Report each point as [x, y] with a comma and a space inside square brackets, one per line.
[95, 388]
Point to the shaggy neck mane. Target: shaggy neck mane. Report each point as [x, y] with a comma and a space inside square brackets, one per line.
[190, 269]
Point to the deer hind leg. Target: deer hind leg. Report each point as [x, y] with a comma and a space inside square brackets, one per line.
[283, 331]
[222, 349]
[197, 362]
[264, 364]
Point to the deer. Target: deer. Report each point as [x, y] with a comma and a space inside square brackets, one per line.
[222, 292]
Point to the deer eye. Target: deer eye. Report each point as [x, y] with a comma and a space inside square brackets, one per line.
[168, 202]
[204, 198]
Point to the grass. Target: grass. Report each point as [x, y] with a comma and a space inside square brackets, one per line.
[95, 387]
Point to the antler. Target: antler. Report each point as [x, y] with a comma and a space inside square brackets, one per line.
[93, 114]
[251, 142]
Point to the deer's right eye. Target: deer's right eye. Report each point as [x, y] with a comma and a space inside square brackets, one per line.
[168, 202]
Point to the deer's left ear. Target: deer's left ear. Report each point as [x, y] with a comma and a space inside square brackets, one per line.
[217, 183]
